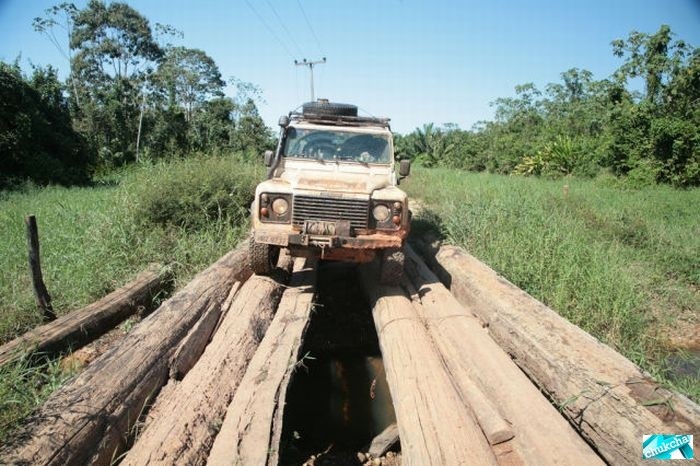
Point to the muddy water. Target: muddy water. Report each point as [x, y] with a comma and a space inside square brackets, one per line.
[684, 364]
[340, 399]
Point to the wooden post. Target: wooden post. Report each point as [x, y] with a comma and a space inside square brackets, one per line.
[43, 299]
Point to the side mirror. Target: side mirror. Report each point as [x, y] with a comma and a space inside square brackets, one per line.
[404, 168]
[283, 121]
[269, 155]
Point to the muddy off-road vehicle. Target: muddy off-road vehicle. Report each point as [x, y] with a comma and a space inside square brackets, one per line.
[332, 192]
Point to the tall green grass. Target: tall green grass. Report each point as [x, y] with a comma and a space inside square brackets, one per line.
[621, 264]
[183, 214]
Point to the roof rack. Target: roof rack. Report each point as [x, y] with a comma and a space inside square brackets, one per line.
[339, 120]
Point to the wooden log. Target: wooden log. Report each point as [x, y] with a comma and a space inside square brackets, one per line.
[41, 294]
[507, 405]
[192, 346]
[434, 424]
[252, 427]
[89, 419]
[79, 327]
[186, 418]
[384, 441]
[609, 400]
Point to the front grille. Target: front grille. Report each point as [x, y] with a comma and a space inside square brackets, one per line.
[356, 211]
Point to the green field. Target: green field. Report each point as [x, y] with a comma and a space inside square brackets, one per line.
[622, 264]
[184, 215]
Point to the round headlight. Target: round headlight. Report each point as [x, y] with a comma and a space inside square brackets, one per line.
[380, 213]
[280, 206]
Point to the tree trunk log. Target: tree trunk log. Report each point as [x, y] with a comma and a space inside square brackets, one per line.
[84, 325]
[507, 405]
[252, 428]
[186, 418]
[434, 424]
[89, 419]
[189, 351]
[609, 400]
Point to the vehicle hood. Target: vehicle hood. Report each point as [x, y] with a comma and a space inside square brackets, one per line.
[346, 178]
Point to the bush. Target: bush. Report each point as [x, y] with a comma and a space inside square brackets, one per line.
[561, 156]
[193, 193]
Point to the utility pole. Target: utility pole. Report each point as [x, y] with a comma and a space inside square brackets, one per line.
[310, 64]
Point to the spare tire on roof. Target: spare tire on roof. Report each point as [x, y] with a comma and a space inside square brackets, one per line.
[325, 108]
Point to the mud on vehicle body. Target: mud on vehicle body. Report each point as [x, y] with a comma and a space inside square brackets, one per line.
[332, 192]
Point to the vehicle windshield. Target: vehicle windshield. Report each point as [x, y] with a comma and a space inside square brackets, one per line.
[336, 146]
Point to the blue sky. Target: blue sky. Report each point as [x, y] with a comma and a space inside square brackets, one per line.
[413, 61]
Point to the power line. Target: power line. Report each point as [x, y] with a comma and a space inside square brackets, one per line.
[272, 32]
[311, 65]
[284, 26]
[308, 23]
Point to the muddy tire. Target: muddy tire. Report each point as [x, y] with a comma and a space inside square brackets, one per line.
[263, 257]
[391, 266]
[329, 109]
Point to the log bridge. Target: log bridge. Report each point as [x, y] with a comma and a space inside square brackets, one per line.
[478, 373]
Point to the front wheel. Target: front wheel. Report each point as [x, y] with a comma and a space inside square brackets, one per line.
[263, 257]
[391, 266]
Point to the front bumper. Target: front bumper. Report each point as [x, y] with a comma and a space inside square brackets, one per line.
[370, 241]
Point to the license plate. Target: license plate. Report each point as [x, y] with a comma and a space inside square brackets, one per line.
[320, 227]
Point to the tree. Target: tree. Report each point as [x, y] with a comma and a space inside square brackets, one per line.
[37, 141]
[653, 57]
[251, 136]
[60, 16]
[114, 52]
[187, 78]
[660, 135]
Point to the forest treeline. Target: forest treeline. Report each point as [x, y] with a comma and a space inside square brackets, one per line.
[130, 94]
[582, 126]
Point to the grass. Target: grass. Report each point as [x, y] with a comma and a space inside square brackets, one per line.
[621, 264]
[184, 214]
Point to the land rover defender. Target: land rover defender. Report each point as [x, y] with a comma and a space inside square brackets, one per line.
[332, 192]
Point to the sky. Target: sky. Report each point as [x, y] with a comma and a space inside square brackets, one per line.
[412, 61]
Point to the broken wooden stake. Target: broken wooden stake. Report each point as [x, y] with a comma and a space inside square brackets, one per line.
[41, 294]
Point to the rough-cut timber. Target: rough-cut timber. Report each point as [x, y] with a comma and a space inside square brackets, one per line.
[493, 387]
[435, 426]
[83, 325]
[384, 441]
[186, 417]
[250, 434]
[88, 420]
[192, 346]
[604, 395]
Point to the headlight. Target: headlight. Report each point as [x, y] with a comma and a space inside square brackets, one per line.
[381, 213]
[275, 208]
[280, 206]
